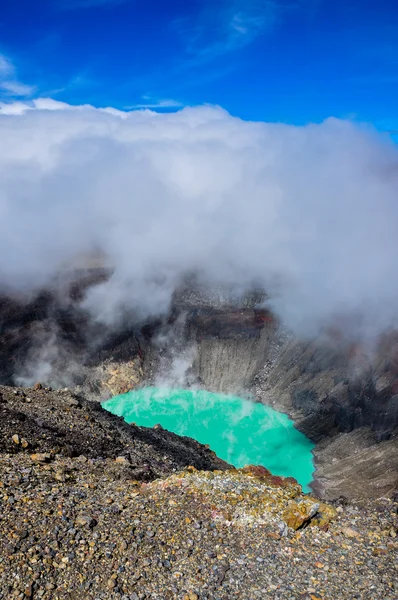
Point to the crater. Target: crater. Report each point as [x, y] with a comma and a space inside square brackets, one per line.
[341, 397]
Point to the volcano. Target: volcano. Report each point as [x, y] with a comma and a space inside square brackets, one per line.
[342, 399]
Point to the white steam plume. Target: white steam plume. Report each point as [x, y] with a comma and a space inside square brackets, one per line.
[309, 212]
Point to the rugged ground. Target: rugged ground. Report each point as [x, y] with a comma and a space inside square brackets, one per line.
[48, 422]
[94, 508]
[347, 403]
[341, 395]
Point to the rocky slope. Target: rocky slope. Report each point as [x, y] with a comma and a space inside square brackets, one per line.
[47, 423]
[92, 508]
[344, 401]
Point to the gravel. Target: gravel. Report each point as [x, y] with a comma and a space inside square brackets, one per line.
[84, 527]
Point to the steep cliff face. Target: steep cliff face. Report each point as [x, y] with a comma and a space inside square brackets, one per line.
[228, 357]
[329, 389]
[227, 365]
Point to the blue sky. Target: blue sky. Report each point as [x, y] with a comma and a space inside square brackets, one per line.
[293, 61]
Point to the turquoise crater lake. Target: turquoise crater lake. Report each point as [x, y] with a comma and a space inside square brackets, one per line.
[239, 431]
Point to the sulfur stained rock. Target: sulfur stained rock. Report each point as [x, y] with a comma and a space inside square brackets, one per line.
[323, 517]
[252, 497]
[41, 457]
[59, 476]
[119, 378]
[308, 512]
[298, 514]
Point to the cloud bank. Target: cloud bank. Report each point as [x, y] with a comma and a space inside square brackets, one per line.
[308, 212]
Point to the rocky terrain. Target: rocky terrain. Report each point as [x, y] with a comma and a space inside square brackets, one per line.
[344, 401]
[46, 423]
[94, 508]
[343, 396]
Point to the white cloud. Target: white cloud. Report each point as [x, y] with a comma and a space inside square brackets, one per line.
[309, 212]
[150, 103]
[227, 25]
[45, 104]
[6, 66]
[15, 88]
[9, 84]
